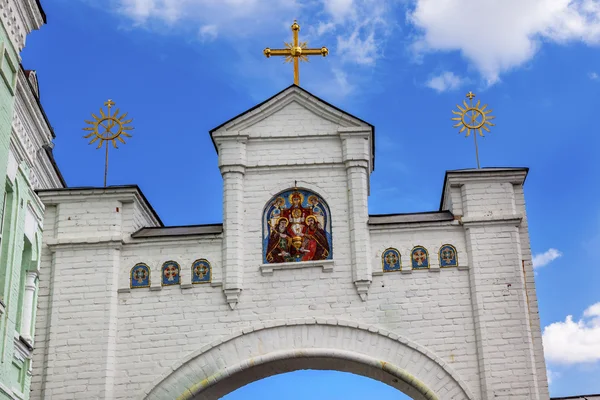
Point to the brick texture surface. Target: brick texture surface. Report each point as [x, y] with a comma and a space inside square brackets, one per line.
[440, 333]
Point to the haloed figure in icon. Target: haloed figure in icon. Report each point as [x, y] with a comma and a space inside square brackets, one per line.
[314, 244]
[278, 249]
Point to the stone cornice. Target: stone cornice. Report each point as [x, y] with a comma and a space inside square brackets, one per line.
[124, 194]
[19, 18]
[30, 134]
[90, 242]
[171, 241]
[31, 112]
[281, 100]
[487, 220]
[411, 226]
[509, 175]
[455, 178]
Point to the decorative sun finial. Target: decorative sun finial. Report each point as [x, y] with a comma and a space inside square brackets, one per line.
[109, 127]
[473, 118]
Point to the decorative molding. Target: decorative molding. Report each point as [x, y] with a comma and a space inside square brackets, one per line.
[232, 297]
[22, 349]
[31, 133]
[11, 394]
[487, 220]
[268, 269]
[19, 18]
[310, 321]
[125, 194]
[411, 226]
[362, 287]
[90, 242]
[287, 97]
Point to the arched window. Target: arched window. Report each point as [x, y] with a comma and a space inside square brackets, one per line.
[390, 260]
[170, 273]
[419, 257]
[296, 227]
[139, 276]
[448, 256]
[201, 271]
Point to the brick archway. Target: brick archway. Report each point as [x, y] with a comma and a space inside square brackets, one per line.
[270, 349]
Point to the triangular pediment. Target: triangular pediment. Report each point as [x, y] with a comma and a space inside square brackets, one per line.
[289, 105]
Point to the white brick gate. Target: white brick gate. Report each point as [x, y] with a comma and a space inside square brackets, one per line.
[439, 304]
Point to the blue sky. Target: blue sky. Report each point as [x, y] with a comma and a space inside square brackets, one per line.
[182, 67]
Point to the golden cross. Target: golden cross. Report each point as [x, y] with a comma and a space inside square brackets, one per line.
[296, 51]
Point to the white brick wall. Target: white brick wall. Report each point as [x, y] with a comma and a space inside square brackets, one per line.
[433, 334]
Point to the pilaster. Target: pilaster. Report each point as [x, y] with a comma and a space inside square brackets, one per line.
[356, 157]
[485, 203]
[232, 163]
[28, 303]
[87, 229]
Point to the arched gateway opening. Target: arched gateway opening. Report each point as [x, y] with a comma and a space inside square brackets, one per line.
[270, 349]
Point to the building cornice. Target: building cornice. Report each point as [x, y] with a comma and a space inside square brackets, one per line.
[127, 193]
[514, 175]
[32, 135]
[19, 18]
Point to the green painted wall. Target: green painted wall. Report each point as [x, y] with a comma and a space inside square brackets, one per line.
[16, 252]
[9, 59]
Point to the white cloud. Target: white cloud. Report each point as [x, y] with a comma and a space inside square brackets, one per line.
[340, 9]
[208, 32]
[354, 30]
[360, 50]
[552, 375]
[341, 79]
[592, 311]
[497, 36]
[593, 76]
[445, 81]
[359, 26]
[206, 12]
[543, 259]
[571, 342]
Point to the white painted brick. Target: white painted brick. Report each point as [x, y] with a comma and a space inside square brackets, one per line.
[117, 345]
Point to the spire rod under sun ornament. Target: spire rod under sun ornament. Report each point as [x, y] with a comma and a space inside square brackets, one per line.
[295, 52]
[108, 127]
[473, 118]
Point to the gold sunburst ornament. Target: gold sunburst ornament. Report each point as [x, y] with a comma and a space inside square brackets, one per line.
[108, 127]
[473, 118]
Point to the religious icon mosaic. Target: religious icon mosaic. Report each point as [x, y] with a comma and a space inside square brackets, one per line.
[170, 273]
[296, 227]
[139, 276]
[201, 271]
[448, 256]
[390, 260]
[419, 257]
